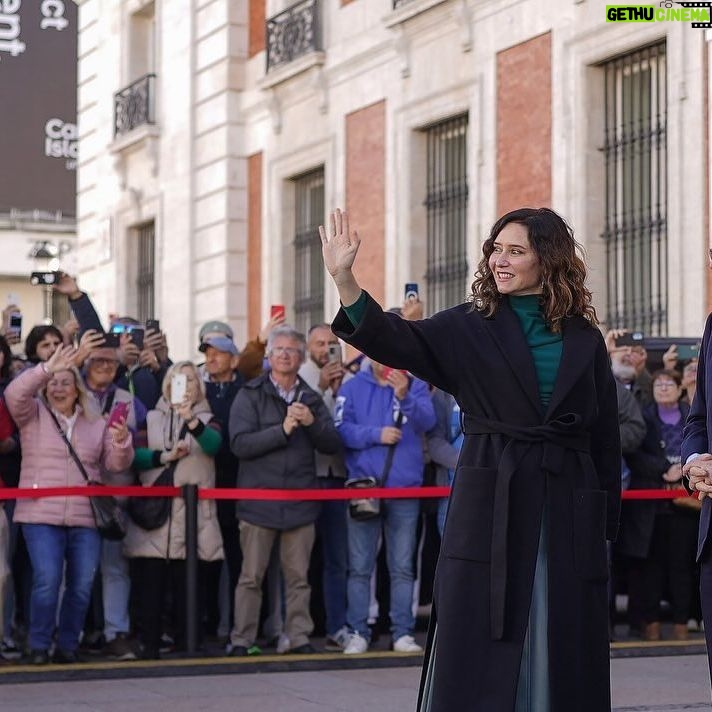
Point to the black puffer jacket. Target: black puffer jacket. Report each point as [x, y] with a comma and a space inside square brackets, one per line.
[270, 459]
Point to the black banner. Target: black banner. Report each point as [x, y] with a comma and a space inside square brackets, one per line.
[38, 105]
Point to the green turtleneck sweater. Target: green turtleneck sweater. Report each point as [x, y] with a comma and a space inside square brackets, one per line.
[545, 346]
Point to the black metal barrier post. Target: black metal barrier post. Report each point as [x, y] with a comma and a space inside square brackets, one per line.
[190, 498]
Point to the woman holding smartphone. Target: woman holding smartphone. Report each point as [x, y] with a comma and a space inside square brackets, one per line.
[520, 617]
[60, 532]
[181, 431]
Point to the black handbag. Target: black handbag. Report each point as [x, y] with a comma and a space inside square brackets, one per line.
[109, 517]
[151, 513]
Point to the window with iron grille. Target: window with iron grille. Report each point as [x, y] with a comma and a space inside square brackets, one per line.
[145, 271]
[636, 190]
[446, 272]
[308, 265]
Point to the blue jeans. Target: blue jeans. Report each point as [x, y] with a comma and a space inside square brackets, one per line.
[331, 530]
[116, 589]
[398, 521]
[49, 548]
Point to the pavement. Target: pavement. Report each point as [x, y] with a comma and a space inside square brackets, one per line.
[641, 684]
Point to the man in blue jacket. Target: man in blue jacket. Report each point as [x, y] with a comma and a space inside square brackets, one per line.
[379, 409]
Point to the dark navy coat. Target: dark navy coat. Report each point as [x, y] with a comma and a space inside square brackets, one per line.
[516, 462]
[698, 428]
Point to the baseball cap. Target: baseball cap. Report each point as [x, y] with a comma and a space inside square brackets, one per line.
[216, 326]
[221, 343]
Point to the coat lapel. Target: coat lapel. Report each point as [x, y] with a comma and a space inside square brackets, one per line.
[505, 329]
[576, 357]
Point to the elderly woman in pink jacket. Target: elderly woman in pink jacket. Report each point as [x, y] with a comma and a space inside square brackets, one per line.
[60, 530]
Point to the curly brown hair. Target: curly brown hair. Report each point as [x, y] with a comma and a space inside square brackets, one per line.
[563, 272]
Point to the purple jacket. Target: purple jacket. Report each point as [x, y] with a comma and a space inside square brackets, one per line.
[46, 461]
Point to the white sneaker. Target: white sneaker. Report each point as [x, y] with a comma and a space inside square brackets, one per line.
[406, 644]
[356, 645]
[283, 644]
[338, 641]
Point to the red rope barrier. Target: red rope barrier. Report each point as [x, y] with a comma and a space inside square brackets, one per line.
[235, 493]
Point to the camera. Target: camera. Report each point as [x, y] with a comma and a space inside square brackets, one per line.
[44, 278]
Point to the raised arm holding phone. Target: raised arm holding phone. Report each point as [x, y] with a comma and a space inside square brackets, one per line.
[537, 489]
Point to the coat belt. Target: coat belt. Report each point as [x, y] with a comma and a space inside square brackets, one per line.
[553, 438]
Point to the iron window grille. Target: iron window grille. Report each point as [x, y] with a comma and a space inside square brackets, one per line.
[635, 152]
[135, 105]
[145, 272]
[293, 33]
[446, 207]
[308, 264]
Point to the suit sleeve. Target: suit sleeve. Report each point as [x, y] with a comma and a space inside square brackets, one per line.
[695, 438]
[606, 440]
[425, 347]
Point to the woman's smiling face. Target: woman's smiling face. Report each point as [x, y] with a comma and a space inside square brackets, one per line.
[514, 264]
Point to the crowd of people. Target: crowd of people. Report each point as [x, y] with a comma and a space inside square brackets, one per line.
[282, 412]
[657, 543]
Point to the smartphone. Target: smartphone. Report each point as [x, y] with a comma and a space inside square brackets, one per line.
[15, 323]
[44, 278]
[632, 338]
[136, 332]
[153, 325]
[179, 385]
[334, 353]
[688, 351]
[137, 336]
[119, 412]
[276, 310]
[111, 340]
[411, 292]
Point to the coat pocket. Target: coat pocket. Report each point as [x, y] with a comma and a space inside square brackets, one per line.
[468, 531]
[590, 552]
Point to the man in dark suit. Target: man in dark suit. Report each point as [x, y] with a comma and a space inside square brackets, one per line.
[696, 454]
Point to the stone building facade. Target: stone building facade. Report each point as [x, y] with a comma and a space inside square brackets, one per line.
[215, 135]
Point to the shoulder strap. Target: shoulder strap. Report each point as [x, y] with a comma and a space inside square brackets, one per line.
[64, 437]
[109, 402]
[391, 451]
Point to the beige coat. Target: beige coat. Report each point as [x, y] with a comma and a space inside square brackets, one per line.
[197, 468]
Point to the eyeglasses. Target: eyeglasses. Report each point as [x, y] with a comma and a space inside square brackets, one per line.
[289, 350]
[103, 361]
[664, 384]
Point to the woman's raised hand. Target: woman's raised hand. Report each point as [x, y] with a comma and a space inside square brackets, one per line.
[339, 248]
[62, 359]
